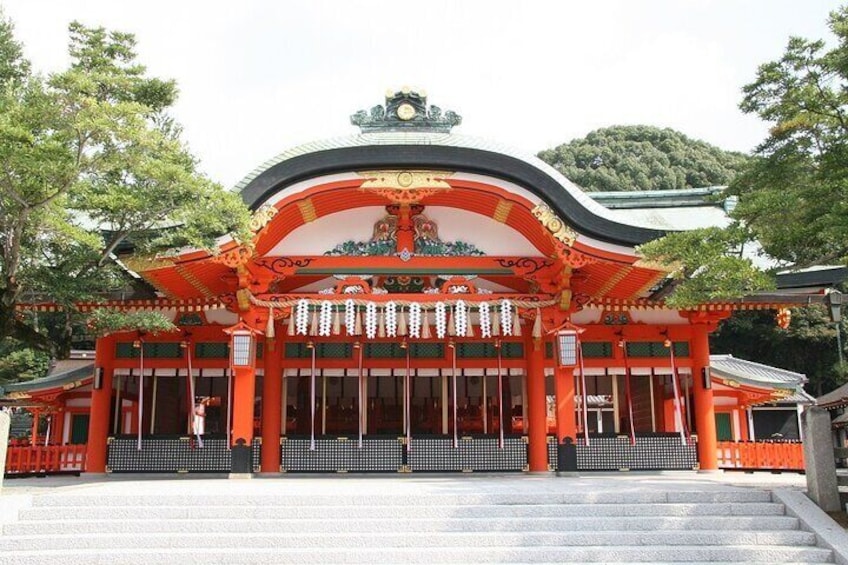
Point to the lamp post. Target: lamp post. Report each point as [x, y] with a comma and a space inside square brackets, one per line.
[833, 299]
[566, 343]
[243, 364]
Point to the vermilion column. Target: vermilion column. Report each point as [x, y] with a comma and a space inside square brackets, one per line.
[101, 406]
[537, 432]
[704, 408]
[566, 426]
[244, 392]
[272, 410]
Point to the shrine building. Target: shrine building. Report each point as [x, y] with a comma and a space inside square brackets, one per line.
[414, 300]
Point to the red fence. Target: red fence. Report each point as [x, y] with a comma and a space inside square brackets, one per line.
[778, 456]
[45, 459]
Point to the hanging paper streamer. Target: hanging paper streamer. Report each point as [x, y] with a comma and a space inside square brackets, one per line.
[460, 318]
[425, 329]
[140, 390]
[500, 400]
[401, 329]
[302, 316]
[506, 317]
[313, 327]
[312, 401]
[326, 320]
[537, 325]
[269, 327]
[350, 317]
[678, 400]
[628, 393]
[408, 403]
[362, 396]
[441, 320]
[415, 320]
[485, 320]
[337, 327]
[453, 375]
[583, 393]
[370, 320]
[391, 319]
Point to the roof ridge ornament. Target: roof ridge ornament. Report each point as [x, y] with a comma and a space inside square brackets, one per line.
[406, 110]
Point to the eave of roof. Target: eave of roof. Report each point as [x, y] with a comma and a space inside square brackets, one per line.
[754, 374]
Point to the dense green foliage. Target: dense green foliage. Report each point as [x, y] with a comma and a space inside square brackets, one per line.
[794, 198]
[92, 161]
[642, 158]
[21, 363]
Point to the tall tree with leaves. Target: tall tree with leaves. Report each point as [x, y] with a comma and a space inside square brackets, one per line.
[624, 158]
[91, 160]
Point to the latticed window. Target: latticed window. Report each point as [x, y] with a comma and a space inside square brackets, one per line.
[212, 350]
[597, 349]
[322, 350]
[168, 350]
[656, 349]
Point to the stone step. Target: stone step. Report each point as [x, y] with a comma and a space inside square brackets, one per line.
[394, 511]
[428, 556]
[339, 540]
[372, 499]
[333, 525]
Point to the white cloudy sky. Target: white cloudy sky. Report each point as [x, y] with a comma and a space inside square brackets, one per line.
[258, 76]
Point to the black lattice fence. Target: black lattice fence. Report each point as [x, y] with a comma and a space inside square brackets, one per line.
[469, 454]
[652, 452]
[172, 455]
[341, 455]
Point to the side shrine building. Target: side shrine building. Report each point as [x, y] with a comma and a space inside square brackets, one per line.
[414, 300]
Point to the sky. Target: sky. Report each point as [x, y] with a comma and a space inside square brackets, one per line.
[259, 76]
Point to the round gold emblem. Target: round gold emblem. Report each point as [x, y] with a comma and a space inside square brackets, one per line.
[405, 112]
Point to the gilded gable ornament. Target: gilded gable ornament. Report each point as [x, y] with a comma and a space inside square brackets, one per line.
[559, 229]
[404, 110]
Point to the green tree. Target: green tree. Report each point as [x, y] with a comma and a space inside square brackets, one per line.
[623, 158]
[92, 161]
[794, 197]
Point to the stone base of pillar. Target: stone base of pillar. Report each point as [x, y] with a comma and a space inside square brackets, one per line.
[240, 476]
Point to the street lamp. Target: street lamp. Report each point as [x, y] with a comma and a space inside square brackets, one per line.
[833, 299]
[242, 346]
[566, 347]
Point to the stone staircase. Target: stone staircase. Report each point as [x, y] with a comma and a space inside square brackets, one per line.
[523, 527]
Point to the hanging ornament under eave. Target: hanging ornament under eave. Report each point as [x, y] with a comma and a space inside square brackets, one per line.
[485, 320]
[302, 316]
[390, 313]
[337, 326]
[460, 319]
[381, 326]
[370, 320]
[313, 327]
[325, 321]
[414, 320]
[506, 317]
[291, 324]
[783, 318]
[441, 320]
[516, 324]
[350, 317]
[537, 325]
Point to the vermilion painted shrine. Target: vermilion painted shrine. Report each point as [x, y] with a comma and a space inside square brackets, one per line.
[399, 309]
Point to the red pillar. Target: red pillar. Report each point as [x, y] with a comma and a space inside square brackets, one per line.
[244, 393]
[537, 432]
[272, 411]
[566, 425]
[704, 407]
[101, 406]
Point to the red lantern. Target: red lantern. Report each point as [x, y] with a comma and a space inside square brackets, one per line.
[783, 318]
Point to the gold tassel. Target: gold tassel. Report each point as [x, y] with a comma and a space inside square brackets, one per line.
[451, 324]
[381, 325]
[425, 325]
[313, 327]
[357, 327]
[337, 324]
[516, 324]
[537, 325]
[401, 330]
[291, 323]
[269, 328]
[496, 323]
